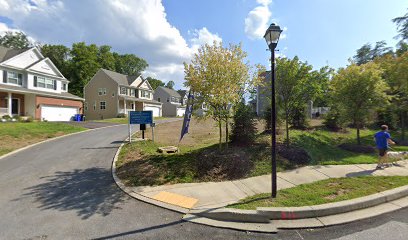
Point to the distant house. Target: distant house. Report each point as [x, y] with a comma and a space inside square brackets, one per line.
[184, 97]
[110, 94]
[31, 85]
[172, 102]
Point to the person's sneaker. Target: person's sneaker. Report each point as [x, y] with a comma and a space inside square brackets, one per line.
[380, 166]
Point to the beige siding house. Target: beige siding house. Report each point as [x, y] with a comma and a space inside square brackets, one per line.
[110, 94]
[172, 102]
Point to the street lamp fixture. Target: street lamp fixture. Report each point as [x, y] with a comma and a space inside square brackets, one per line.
[271, 36]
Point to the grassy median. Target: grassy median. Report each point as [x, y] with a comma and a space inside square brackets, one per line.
[324, 191]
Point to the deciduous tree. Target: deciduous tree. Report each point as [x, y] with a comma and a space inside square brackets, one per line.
[357, 91]
[16, 40]
[219, 76]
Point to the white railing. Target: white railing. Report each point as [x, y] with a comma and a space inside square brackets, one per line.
[3, 111]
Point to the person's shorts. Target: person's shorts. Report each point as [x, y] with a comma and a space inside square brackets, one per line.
[382, 152]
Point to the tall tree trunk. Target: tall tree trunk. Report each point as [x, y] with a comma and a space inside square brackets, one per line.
[402, 125]
[358, 134]
[226, 131]
[287, 129]
[220, 128]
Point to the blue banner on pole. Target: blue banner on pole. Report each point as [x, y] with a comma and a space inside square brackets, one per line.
[187, 115]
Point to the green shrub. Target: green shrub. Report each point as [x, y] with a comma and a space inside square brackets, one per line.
[243, 126]
[332, 120]
[267, 118]
[121, 115]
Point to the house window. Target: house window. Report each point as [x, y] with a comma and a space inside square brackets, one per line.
[43, 82]
[64, 87]
[101, 91]
[94, 106]
[158, 99]
[132, 92]
[86, 106]
[145, 94]
[13, 78]
[168, 99]
[113, 94]
[102, 105]
[123, 90]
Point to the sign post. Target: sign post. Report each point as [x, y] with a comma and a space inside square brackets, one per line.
[142, 118]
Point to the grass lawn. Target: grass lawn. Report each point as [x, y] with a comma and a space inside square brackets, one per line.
[322, 146]
[325, 191]
[124, 120]
[18, 135]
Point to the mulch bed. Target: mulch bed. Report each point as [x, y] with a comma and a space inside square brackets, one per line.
[357, 148]
[230, 164]
[294, 154]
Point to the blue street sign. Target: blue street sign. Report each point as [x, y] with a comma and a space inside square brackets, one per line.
[140, 117]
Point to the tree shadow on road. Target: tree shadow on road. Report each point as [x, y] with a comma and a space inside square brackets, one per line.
[86, 191]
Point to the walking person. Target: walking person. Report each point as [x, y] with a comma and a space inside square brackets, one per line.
[382, 141]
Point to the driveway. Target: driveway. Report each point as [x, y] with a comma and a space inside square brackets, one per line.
[63, 189]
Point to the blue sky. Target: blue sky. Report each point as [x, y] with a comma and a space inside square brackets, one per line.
[167, 33]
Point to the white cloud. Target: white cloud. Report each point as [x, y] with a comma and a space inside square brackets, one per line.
[257, 20]
[129, 26]
[203, 36]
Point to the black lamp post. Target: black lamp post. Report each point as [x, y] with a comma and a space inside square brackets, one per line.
[272, 38]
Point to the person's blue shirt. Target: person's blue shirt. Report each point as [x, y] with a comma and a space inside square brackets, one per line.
[381, 139]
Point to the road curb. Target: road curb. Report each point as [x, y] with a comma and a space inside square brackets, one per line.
[49, 140]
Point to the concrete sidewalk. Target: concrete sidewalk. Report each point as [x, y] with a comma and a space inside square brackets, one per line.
[210, 195]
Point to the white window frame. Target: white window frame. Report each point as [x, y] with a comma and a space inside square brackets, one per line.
[9, 73]
[64, 86]
[125, 90]
[102, 106]
[47, 83]
[101, 91]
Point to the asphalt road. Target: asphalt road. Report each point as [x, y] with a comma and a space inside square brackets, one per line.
[63, 189]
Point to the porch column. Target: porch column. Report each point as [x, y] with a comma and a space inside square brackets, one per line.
[9, 104]
[134, 105]
[124, 104]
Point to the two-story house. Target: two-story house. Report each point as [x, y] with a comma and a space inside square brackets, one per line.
[110, 94]
[171, 100]
[31, 85]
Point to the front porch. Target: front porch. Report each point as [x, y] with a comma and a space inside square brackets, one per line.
[12, 104]
[128, 105]
[134, 104]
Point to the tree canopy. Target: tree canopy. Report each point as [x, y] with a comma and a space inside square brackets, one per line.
[155, 83]
[219, 76]
[16, 40]
[357, 91]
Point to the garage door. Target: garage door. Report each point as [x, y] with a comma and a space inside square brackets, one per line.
[156, 110]
[181, 112]
[53, 113]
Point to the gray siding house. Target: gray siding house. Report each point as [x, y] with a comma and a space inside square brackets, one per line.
[109, 94]
[172, 102]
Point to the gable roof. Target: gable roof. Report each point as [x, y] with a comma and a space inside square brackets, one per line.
[121, 79]
[7, 53]
[169, 91]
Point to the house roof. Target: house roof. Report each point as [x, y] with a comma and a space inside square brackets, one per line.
[7, 53]
[121, 79]
[169, 91]
[41, 93]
